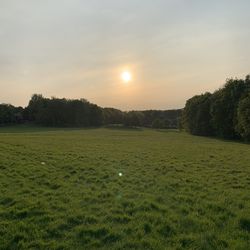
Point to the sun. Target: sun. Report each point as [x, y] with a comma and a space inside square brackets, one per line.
[126, 76]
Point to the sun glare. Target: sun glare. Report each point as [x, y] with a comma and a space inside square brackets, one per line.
[126, 76]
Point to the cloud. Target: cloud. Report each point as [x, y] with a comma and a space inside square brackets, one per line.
[69, 47]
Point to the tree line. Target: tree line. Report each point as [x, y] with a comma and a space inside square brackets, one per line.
[224, 113]
[61, 112]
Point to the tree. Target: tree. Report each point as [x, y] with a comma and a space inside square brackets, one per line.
[63, 112]
[134, 119]
[158, 123]
[222, 113]
[10, 114]
[196, 115]
[224, 108]
[112, 116]
[243, 117]
[170, 117]
[36, 104]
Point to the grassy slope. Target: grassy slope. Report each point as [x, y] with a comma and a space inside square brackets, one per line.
[177, 191]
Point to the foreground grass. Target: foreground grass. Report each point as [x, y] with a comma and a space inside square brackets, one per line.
[61, 189]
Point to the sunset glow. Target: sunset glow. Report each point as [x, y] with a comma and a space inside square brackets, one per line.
[130, 55]
[126, 76]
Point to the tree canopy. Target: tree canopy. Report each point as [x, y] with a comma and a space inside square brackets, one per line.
[225, 113]
[61, 112]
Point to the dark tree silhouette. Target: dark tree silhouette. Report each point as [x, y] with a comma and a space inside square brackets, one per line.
[196, 115]
[225, 113]
[10, 114]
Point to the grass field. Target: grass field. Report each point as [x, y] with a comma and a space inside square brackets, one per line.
[122, 189]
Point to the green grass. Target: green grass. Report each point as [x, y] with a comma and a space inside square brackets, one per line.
[61, 189]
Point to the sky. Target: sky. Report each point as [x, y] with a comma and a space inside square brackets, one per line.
[174, 50]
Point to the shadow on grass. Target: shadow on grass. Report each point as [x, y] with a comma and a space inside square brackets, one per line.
[200, 136]
[227, 140]
[122, 127]
[168, 130]
[239, 141]
[31, 128]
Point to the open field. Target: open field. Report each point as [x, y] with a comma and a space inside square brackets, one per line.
[61, 189]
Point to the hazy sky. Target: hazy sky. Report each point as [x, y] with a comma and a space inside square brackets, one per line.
[78, 48]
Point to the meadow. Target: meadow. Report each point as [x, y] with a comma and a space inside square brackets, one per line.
[122, 189]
